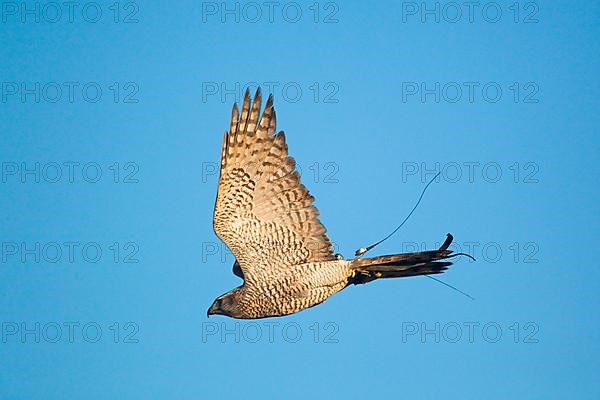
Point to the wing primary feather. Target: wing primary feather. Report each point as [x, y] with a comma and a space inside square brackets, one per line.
[265, 120]
[234, 119]
[245, 111]
[254, 113]
[224, 150]
[272, 124]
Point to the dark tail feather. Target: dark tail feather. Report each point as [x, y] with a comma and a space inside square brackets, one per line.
[403, 265]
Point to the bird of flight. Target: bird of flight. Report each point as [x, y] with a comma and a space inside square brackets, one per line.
[265, 215]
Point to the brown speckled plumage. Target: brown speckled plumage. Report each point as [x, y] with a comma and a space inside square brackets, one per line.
[266, 217]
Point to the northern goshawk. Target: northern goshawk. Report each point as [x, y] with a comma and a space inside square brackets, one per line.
[266, 217]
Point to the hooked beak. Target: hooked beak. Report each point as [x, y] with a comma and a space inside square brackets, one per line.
[212, 310]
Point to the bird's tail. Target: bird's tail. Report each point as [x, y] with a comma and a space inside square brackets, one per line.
[403, 265]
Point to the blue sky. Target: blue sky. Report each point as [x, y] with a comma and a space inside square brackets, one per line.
[112, 115]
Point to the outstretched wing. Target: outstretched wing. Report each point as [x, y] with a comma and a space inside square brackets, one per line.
[263, 213]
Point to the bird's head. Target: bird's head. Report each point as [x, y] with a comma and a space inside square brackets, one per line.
[226, 304]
